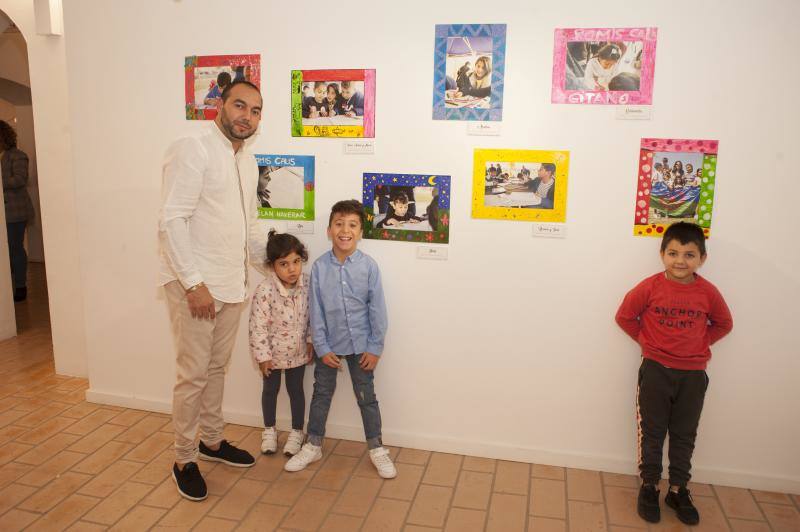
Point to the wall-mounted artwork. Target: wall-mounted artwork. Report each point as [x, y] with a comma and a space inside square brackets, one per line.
[407, 207]
[333, 103]
[208, 75]
[675, 184]
[469, 71]
[286, 187]
[607, 66]
[522, 185]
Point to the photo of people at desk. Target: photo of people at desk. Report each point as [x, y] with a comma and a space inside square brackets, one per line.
[407, 208]
[604, 65]
[327, 103]
[527, 185]
[210, 81]
[468, 69]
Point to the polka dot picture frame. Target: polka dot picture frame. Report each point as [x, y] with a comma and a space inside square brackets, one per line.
[676, 182]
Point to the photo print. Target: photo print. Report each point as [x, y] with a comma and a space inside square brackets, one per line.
[333, 103]
[285, 187]
[206, 76]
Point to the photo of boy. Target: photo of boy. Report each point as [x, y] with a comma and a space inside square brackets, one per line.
[352, 103]
[398, 212]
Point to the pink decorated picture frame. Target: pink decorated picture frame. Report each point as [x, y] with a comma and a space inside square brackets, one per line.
[604, 66]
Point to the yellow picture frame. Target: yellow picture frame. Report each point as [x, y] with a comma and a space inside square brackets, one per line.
[497, 203]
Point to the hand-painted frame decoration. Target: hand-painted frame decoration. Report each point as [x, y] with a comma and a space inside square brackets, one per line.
[333, 103]
[676, 183]
[206, 77]
[407, 207]
[520, 185]
[607, 66]
[285, 187]
[469, 72]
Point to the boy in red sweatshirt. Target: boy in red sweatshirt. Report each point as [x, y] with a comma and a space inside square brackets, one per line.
[674, 316]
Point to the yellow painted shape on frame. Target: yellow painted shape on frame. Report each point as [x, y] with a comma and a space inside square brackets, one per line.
[559, 211]
[333, 131]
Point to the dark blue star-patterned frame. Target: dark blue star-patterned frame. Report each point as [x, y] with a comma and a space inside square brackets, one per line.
[498, 34]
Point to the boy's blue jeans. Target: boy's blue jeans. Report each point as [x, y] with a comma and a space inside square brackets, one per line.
[364, 389]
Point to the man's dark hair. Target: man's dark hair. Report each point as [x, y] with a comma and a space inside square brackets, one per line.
[549, 167]
[223, 79]
[685, 233]
[8, 137]
[347, 207]
[227, 91]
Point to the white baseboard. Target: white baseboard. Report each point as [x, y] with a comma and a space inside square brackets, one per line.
[486, 449]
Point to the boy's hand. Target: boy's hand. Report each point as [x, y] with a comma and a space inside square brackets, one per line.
[368, 361]
[391, 221]
[332, 361]
[266, 367]
[351, 114]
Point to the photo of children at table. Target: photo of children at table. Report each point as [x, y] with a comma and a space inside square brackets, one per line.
[468, 72]
[603, 65]
[398, 207]
[343, 100]
[511, 185]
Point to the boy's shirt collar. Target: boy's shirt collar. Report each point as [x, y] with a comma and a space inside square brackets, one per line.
[353, 257]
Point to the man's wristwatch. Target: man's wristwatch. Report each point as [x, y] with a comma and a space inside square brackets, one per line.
[195, 287]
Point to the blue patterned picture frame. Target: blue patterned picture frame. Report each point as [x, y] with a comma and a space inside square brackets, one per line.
[442, 110]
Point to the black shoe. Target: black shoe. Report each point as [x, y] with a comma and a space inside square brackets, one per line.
[681, 502]
[648, 507]
[227, 454]
[190, 482]
[20, 294]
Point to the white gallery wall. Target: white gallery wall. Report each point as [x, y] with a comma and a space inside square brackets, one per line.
[508, 348]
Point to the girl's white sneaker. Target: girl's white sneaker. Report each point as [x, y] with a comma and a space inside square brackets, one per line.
[294, 442]
[308, 454]
[269, 441]
[383, 462]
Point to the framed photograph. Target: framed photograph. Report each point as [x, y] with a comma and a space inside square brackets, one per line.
[285, 187]
[407, 207]
[521, 185]
[208, 75]
[676, 184]
[333, 103]
[469, 72]
[606, 66]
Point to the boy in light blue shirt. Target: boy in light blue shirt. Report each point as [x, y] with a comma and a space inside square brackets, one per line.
[348, 324]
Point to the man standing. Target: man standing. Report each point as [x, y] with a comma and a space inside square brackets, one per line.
[208, 216]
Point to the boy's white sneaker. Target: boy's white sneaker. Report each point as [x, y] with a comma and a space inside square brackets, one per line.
[294, 442]
[308, 454]
[383, 462]
[269, 440]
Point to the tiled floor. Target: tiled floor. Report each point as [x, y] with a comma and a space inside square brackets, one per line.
[69, 464]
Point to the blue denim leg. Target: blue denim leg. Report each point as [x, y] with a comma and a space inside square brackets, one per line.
[364, 389]
[324, 386]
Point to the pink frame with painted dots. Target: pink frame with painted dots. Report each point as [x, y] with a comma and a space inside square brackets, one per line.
[649, 221]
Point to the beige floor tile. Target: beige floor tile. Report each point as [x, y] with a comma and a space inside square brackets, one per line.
[711, 516]
[221, 478]
[40, 415]
[341, 523]
[128, 417]
[13, 494]
[335, 472]
[473, 490]
[357, 497]
[165, 495]
[478, 464]
[287, 488]
[417, 528]
[139, 431]
[365, 467]
[512, 478]
[546, 524]
[140, 518]
[188, 513]
[310, 510]
[17, 520]
[66, 513]
[442, 469]
[740, 525]
[548, 471]
[430, 506]
[236, 433]
[586, 517]
[10, 416]
[413, 456]
[782, 518]
[46, 472]
[463, 520]
[13, 471]
[85, 526]
[46, 430]
[738, 503]
[114, 476]
[80, 410]
[91, 422]
[238, 500]
[704, 490]
[9, 432]
[548, 498]
[507, 513]
[584, 485]
[161, 467]
[96, 439]
[151, 447]
[267, 468]
[350, 448]
[621, 504]
[263, 518]
[102, 458]
[620, 480]
[116, 505]
[12, 450]
[54, 492]
[44, 451]
[759, 496]
[387, 515]
[214, 524]
[405, 485]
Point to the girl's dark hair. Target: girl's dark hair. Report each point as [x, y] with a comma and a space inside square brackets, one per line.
[609, 52]
[280, 245]
[8, 137]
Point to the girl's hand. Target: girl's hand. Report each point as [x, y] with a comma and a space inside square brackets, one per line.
[368, 361]
[332, 361]
[310, 352]
[266, 367]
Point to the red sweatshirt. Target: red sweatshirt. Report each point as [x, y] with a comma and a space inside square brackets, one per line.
[675, 323]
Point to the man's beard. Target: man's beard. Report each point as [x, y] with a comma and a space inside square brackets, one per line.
[228, 126]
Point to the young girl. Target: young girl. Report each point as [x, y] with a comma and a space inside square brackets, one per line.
[279, 336]
[333, 100]
[600, 69]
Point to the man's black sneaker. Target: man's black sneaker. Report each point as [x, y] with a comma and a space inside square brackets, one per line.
[227, 454]
[190, 482]
[648, 507]
[681, 502]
